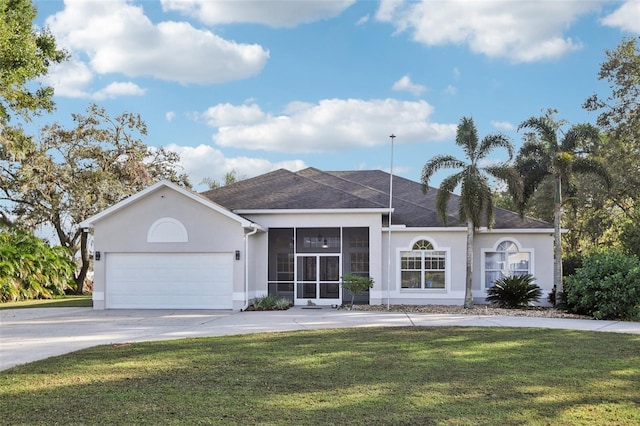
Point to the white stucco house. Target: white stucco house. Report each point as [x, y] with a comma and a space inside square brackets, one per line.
[294, 234]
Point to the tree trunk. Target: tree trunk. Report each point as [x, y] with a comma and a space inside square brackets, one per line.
[468, 291]
[85, 262]
[557, 245]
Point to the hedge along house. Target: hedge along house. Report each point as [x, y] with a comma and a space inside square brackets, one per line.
[295, 235]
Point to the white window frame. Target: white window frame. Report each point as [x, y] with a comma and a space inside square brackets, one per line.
[494, 249]
[447, 267]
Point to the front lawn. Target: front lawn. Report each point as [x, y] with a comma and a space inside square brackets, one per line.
[364, 376]
[83, 301]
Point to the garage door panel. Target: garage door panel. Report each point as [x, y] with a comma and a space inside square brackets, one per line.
[169, 280]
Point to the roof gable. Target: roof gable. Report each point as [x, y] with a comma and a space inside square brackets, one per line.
[89, 223]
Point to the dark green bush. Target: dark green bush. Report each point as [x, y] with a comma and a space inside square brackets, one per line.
[606, 287]
[570, 263]
[31, 269]
[514, 292]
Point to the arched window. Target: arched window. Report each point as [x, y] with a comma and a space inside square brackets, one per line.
[422, 267]
[507, 260]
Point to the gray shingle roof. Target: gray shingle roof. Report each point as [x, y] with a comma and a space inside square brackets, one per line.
[357, 189]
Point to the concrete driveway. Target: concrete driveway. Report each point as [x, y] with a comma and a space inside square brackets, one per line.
[28, 335]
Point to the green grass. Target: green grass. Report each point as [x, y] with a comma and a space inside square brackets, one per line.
[365, 376]
[62, 302]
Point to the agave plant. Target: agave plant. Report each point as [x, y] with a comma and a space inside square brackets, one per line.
[270, 303]
[514, 291]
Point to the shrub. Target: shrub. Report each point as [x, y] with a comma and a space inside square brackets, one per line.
[356, 284]
[31, 269]
[270, 303]
[606, 287]
[513, 292]
[282, 304]
[571, 262]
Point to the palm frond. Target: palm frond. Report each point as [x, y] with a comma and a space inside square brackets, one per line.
[544, 128]
[532, 172]
[509, 174]
[491, 142]
[447, 186]
[467, 137]
[437, 163]
[533, 148]
[580, 135]
[591, 166]
[476, 199]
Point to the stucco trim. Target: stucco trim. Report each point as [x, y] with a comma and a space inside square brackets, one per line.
[167, 230]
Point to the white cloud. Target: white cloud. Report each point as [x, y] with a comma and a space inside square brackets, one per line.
[405, 84]
[451, 90]
[522, 31]
[169, 116]
[456, 73]
[72, 79]
[230, 115]
[204, 161]
[280, 14]
[626, 17]
[117, 37]
[333, 125]
[503, 125]
[116, 89]
[363, 20]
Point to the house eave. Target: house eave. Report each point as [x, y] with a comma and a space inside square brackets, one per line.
[515, 231]
[312, 211]
[403, 228]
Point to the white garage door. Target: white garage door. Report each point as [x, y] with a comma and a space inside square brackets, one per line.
[169, 281]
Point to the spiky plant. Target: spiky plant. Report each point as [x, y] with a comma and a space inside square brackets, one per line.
[514, 291]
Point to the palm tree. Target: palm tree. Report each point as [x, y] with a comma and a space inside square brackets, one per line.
[476, 196]
[546, 155]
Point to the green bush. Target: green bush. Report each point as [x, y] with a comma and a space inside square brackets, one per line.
[31, 269]
[514, 292]
[606, 287]
[356, 285]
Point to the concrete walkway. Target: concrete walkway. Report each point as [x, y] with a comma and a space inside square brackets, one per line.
[28, 335]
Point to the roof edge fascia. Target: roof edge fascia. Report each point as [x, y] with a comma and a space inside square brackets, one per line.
[313, 211]
[515, 230]
[403, 228]
[89, 223]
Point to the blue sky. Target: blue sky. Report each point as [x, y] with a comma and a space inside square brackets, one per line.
[254, 85]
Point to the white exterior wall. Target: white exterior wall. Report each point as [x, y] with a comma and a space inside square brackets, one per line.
[454, 242]
[259, 279]
[538, 242]
[126, 232]
[450, 240]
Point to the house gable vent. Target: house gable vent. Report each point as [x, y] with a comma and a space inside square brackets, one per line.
[167, 230]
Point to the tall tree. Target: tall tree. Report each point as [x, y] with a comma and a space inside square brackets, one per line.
[549, 154]
[230, 178]
[69, 175]
[25, 56]
[476, 195]
[619, 118]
